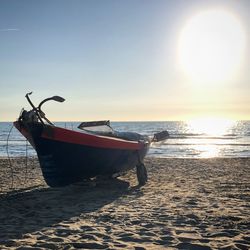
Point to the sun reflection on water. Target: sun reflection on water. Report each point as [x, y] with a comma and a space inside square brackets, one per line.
[210, 126]
[207, 151]
[212, 129]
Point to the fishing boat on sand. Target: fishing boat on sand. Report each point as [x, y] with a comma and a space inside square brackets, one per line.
[68, 156]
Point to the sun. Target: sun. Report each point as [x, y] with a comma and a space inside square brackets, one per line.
[211, 46]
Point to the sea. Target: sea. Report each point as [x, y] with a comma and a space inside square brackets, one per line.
[187, 139]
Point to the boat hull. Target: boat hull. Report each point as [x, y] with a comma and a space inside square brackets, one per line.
[67, 156]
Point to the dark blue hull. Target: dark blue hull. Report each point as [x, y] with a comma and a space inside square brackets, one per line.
[64, 163]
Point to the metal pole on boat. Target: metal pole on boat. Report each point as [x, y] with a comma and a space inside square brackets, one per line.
[34, 108]
[54, 98]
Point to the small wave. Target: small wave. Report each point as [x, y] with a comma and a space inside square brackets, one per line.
[203, 137]
[187, 134]
[233, 135]
[245, 151]
[200, 144]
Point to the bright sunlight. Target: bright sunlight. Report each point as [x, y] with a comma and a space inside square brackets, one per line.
[211, 46]
[210, 125]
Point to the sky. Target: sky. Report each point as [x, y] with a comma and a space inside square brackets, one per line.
[130, 60]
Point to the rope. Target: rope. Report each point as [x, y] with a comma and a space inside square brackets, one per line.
[16, 177]
[10, 164]
[26, 161]
[9, 159]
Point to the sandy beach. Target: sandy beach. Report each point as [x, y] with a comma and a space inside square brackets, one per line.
[186, 204]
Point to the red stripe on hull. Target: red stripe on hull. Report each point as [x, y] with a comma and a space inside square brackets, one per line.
[70, 136]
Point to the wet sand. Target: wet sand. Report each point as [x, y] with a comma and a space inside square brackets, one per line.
[186, 204]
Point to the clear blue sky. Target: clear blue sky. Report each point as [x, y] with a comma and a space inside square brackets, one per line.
[109, 59]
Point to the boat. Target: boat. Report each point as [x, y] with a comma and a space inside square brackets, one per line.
[67, 156]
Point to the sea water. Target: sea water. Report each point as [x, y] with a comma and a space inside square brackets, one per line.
[187, 140]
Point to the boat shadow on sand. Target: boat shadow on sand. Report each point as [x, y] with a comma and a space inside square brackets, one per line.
[33, 210]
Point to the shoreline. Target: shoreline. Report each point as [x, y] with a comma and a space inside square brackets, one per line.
[187, 204]
[149, 157]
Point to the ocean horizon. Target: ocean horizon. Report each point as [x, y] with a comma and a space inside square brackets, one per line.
[186, 140]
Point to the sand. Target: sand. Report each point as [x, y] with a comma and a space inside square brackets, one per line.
[186, 204]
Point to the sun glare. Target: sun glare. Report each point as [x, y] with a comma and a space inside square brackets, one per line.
[210, 125]
[211, 46]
